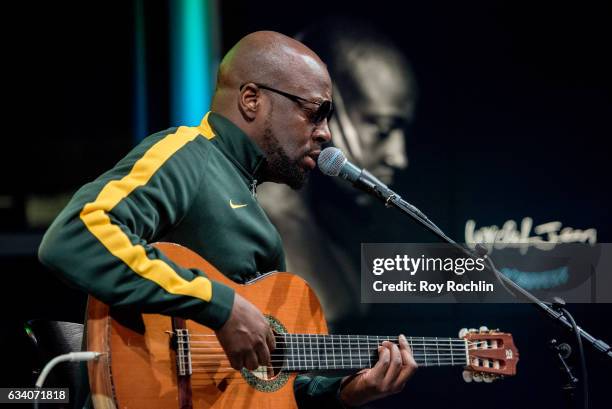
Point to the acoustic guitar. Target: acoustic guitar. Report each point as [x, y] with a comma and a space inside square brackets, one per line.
[153, 361]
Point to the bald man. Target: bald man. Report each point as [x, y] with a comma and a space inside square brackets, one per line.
[196, 186]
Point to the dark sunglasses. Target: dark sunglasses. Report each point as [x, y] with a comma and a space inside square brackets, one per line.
[325, 110]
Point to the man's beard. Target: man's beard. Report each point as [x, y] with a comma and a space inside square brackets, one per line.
[279, 166]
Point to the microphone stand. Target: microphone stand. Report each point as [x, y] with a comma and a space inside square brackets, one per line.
[368, 183]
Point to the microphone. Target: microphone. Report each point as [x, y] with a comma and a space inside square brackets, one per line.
[332, 162]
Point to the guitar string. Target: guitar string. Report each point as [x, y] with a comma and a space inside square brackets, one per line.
[349, 338]
[341, 342]
[353, 365]
[308, 366]
[354, 358]
[323, 365]
[342, 337]
[344, 342]
[347, 346]
[264, 371]
[352, 347]
[336, 351]
[327, 358]
[281, 334]
[365, 338]
[361, 352]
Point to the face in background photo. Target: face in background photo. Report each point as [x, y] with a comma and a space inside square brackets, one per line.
[374, 94]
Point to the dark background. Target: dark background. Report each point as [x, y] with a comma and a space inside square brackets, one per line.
[512, 121]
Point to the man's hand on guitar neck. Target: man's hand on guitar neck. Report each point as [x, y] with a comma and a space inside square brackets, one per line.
[389, 375]
[246, 337]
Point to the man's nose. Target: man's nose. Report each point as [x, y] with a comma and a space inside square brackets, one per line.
[393, 151]
[321, 133]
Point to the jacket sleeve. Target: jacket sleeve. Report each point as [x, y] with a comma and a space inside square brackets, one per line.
[100, 241]
[318, 392]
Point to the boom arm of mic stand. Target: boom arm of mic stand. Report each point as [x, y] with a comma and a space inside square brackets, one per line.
[391, 199]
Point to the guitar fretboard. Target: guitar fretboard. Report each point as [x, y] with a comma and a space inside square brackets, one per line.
[320, 352]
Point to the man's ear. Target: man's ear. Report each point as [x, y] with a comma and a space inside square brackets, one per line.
[249, 101]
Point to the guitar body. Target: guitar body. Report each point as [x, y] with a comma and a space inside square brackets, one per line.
[139, 365]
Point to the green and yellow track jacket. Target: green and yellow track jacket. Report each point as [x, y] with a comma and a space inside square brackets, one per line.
[194, 186]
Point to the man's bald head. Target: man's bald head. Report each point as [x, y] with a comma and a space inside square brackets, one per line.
[269, 58]
[272, 87]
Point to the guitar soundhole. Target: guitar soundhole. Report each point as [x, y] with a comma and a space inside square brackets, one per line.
[273, 378]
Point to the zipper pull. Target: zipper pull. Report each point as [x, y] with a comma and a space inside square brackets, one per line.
[254, 187]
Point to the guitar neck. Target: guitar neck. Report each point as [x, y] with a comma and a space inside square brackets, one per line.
[321, 352]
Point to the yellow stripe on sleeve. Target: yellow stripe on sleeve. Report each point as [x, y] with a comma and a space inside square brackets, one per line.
[96, 218]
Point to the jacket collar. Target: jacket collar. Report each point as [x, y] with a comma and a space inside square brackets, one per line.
[234, 144]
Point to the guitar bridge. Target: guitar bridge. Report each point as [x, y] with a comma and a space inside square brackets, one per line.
[183, 352]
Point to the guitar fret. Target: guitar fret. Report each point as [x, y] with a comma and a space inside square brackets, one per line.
[333, 352]
[348, 341]
[295, 352]
[451, 351]
[325, 352]
[291, 356]
[312, 364]
[377, 344]
[359, 353]
[341, 351]
[308, 349]
[305, 351]
[373, 356]
[369, 356]
[318, 353]
[308, 355]
[438, 351]
[312, 352]
[310, 343]
[304, 354]
[292, 353]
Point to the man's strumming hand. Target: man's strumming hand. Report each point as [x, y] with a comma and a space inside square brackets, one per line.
[246, 336]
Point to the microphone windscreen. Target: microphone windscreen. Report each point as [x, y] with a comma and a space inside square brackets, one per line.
[331, 160]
